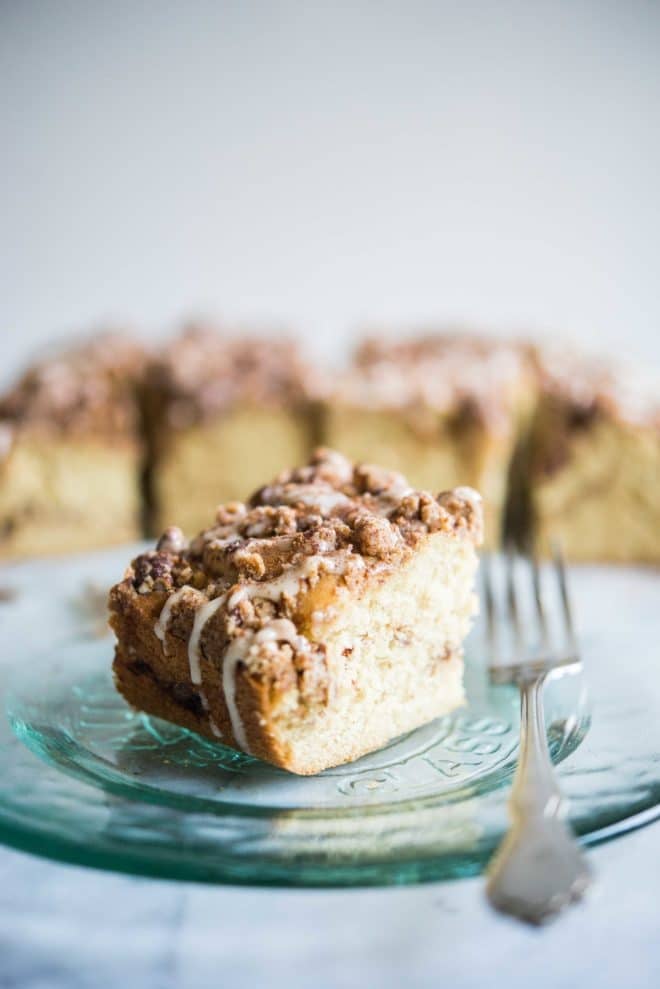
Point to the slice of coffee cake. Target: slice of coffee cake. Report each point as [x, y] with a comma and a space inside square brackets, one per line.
[313, 624]
[590, 474]
[445, 409]
[70, 451]
[214, 401]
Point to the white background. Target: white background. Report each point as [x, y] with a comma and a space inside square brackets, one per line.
[323, 164]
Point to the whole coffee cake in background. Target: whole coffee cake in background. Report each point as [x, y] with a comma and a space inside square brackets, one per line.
[590, 473]
[71, 452]
[221, 413]
[310, 625]
[444, 409]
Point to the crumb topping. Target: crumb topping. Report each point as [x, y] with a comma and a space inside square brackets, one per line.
[202, 372]
[90, 387]
[592, 387]
[473, 379]
[331, 513]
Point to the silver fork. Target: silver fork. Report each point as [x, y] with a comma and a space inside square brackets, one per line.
[539, 868]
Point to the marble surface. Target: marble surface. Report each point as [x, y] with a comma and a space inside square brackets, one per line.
[69, 928]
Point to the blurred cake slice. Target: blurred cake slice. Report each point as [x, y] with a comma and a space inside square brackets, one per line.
[592, 468]
[311, 625]
[445, 410]
[70, 451]
[222, 414]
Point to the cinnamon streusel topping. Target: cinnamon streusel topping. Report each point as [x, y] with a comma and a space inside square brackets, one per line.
[340, 516]
[91, 387]
[470, 378]
[593, 387]
[203, 372]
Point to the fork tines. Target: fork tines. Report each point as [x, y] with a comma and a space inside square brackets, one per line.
[527, 630]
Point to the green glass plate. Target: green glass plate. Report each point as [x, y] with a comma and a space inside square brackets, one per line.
[85, 779]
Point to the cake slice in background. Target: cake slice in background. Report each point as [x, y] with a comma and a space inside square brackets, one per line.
[70, 451]
[221, 414]
[310, 626]
[590, 472]
[444, 409]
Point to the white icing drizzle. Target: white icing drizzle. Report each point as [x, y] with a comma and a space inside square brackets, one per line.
[288, 583]
[162, 624]
[468, 494]
[338, 565]
[272, 590]
[311, 495]
[327, 501]
[277, 630]
[235, 653]
[160, 631]
[202, 616]
[282, 630]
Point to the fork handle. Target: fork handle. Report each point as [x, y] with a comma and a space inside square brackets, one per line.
[539, 868]
[535, 792]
